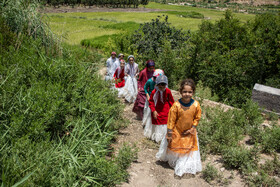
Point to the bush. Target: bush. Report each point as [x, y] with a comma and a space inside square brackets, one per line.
[272, 167]
[240, 158]
[56, 111]
[262, 179]
[271, 140]
[219, 130]
[150, 37]
[210, 173]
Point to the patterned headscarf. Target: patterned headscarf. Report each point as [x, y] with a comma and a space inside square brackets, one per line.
[162, 79]
[158, 72]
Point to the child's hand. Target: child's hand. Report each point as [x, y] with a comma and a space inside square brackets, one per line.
[148, 97]
[155, 114]
[191, 131]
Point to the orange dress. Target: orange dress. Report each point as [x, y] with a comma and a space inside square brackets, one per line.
[180, 119]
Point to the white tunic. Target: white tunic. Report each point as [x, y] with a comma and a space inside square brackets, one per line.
[112, 65]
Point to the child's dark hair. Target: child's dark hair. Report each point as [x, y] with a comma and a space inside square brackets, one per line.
[188, 82]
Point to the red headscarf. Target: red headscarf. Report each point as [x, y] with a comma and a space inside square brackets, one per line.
[145, 74]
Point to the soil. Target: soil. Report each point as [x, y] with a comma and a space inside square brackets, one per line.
[65, 9]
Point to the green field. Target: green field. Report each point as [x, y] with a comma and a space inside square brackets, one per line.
[75, 27]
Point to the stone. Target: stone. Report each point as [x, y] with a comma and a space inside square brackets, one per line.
[266, 125]
[267, 97]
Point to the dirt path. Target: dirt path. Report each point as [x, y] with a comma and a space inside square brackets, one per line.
[147, 171]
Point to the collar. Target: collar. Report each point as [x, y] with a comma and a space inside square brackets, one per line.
[188, 104]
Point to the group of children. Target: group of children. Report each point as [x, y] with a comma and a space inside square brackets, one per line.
[171, 123]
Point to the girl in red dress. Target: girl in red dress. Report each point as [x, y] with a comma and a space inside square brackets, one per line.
[160, 102]
[119, 75]
[144, 76]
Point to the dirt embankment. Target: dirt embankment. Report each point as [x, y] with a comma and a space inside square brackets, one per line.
[256, 2]
[65, 9]
[250, 2]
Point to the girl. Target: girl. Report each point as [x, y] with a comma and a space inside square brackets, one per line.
[148, 88]
[160, 102]
[118, 77]
[112, 63]
[180, 147]
[130, 88]
[144, 75]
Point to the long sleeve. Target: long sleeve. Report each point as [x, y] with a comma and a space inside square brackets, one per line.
[108, 65]
[170, 98]
[115, 74]
[146, 86]
[140, 79]
[197, 114]
[127, 69]
[172, 117]
[136, 70]
[116, 64]
[152, 102]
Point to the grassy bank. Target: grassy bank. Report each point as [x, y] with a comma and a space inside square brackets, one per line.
[58, 118]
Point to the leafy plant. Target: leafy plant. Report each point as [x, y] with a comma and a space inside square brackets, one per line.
[210, 173]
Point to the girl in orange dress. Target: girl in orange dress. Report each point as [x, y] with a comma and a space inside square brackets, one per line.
[180, 147]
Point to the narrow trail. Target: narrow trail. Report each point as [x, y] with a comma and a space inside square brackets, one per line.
[147, 171]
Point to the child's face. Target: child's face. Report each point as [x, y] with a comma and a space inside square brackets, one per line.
[187, 93]
[131, 60]
[161, 86]
[122, 64]
[152, 68]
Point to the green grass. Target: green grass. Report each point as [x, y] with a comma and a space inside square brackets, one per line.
[78, 26]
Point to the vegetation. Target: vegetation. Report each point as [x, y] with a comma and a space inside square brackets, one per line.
[212, 53]
[210, 173]
[222, 133]
[58, 118]
[56, 111]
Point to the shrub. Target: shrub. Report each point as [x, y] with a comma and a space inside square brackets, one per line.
[240, 158]
[272, 167]
[271, 139]
[126, 155]
[210, 173]
[150, 37]
[261, 179]
[218, 130]
[56, 111]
